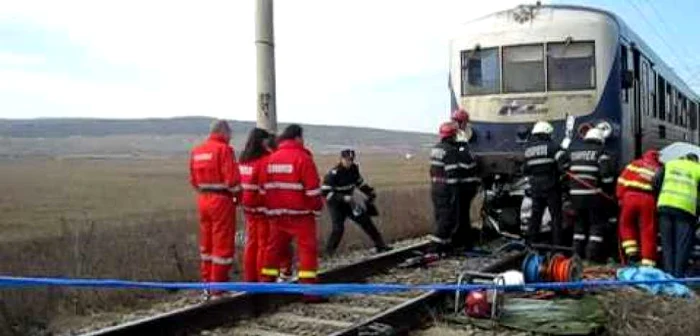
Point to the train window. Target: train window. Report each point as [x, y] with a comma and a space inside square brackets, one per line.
[570, 66]
[652, 93]
[480, 72]
[523, 68]
[662, 98]
[693, 116]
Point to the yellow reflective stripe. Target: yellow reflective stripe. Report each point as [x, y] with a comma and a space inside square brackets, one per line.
[641, 170]
[627, 243]
[629, 183]
[270, 272]
[648, 262]
[631, 250]
[307, 274]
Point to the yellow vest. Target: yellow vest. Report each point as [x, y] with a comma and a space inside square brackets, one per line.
[680, 185]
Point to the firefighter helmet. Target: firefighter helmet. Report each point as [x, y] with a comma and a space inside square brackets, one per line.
[460, 116]
[447, 130]
[542, 127]
[595, 134]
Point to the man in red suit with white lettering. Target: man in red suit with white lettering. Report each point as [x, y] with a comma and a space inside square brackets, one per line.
[292, 193]
[215, 175]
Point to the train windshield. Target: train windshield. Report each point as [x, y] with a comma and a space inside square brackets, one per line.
[523, 68]
[480, 72]
[570, 66]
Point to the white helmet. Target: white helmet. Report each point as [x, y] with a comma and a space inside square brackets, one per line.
[595, 134]
[542, 127]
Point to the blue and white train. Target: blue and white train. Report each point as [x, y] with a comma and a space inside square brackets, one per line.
[544, 62]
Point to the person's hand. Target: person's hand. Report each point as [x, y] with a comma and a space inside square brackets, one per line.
[347, 198]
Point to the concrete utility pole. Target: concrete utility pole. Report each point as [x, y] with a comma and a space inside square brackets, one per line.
[265, 45]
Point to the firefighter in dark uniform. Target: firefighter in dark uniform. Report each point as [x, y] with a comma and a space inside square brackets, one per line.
[454, 183]
[543, 160]
[590, 173]
[339, 187]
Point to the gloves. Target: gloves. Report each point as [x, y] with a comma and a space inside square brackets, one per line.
[347, 198]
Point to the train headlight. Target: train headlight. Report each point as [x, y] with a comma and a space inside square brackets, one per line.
[606, 127]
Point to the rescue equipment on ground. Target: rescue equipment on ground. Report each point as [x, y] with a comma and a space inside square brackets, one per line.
[556, 268]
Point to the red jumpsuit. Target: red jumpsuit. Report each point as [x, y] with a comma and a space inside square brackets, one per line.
[257, 226]
[292, 190]
[638, 224]
[214, 173]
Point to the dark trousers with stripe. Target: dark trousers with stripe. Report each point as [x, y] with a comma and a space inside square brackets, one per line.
[677, 238]
[590, 227]
[540, 202]
[339, 213]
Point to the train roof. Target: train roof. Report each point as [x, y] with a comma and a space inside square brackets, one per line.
[659, 65]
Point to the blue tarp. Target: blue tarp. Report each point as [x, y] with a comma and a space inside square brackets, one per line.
[650, 273]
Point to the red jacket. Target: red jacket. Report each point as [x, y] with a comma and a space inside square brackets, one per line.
[638, 174]
[213, 166]
[290, 181]
[250, 175]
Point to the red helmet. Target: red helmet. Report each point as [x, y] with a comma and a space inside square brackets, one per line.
[477, 304]
[460, 116]
[448, 129]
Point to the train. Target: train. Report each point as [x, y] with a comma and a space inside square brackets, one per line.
[515, 67]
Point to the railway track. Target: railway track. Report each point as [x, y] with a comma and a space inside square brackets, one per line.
[282, 315]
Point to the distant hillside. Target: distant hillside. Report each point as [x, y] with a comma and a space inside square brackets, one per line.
[97, 137]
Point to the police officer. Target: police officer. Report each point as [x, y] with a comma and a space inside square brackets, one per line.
[454, 184]
[590, 171]
[339, 187]
[543, 159]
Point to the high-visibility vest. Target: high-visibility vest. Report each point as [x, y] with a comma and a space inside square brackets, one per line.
[679, 188]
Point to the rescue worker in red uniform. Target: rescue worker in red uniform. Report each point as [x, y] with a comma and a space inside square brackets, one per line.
[292, 189]
[638, 224]
[215, 175]
[259, 145]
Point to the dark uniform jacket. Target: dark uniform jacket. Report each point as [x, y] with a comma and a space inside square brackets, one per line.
[452, 164]
[543, 160]
[341, 181]
[588, 162]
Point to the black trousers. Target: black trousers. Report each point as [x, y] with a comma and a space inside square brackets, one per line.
[677, 238]
[590, 227]
[451, 205]
[339, 213]
[541, 201]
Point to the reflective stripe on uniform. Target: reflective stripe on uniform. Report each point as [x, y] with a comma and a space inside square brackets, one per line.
[451, 167]
[326, 187]
[586, 177]
[470, 179]
[284, 186]
[628, 243]
[467, 166]
[634, 184]
[608, 180]
[597, 239]
[307, 274]
[277, 212]
[584, 169]
[631, 250]
[579, 236]
[344, 187]
[270, 272]
[330, 195]
[445, 180]
[648, 262]
[248, 186]
[221, 261]
[437, 163]
[313, 192]
[584, 191]
[205, 257]
[258, 209]
[540, 161]
[212, 186]
[641, 170]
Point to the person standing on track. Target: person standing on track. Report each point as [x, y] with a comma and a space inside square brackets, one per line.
[452, 168]
[214, 174]
[259, 145]
[590, 171]
[292, 190]
[338, 188]
[677, 184]
[543, 160]
[638, 225]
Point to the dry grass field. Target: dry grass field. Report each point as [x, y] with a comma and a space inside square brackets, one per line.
[135, 219]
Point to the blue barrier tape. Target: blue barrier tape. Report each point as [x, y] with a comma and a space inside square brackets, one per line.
[321, 289]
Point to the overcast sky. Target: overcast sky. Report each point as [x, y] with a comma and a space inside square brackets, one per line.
[379, 63]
